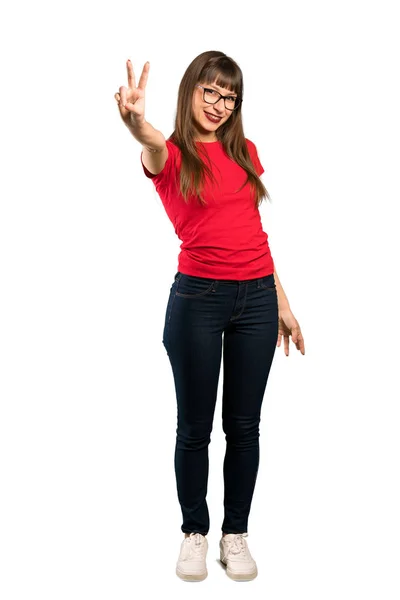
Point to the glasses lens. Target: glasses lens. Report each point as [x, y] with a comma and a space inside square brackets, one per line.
[230, 102]
[212, 96]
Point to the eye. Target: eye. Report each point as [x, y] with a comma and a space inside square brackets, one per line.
[212, 92]
[231, 98]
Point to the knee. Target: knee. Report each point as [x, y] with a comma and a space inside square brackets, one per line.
[241, 432]
[193, 436]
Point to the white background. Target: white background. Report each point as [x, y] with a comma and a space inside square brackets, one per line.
[88, 502]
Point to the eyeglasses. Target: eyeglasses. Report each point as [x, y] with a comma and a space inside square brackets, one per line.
[212, 97]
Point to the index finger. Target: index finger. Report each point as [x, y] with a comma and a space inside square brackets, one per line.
[131, 75]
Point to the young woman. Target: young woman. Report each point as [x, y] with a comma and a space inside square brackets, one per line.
[225, 300]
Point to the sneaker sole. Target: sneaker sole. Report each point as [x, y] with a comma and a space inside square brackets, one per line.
[193, 577]
[240, 576]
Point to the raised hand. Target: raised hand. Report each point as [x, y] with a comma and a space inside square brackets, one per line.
[131, 99]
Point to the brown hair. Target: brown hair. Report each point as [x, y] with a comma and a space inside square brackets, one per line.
[210, 67]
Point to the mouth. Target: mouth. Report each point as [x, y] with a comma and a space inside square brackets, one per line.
[212, 118]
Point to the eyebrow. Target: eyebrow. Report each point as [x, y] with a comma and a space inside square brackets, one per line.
[214, 88]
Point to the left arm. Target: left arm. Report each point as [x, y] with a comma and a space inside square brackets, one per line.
[282, 298]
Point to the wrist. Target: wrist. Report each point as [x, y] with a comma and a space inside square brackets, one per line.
[283, 308]
[136, 124]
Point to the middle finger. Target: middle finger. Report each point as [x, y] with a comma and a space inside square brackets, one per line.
[144, 75]
[286, 344]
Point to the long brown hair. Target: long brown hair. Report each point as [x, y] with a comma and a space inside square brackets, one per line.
[210, 67]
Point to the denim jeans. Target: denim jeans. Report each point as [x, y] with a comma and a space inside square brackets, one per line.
[203, 316]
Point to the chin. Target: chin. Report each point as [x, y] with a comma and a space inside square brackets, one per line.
[211, 126]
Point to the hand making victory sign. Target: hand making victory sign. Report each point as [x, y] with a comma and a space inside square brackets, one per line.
[131, 99]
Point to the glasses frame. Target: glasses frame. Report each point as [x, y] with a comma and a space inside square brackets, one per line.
[238, 98]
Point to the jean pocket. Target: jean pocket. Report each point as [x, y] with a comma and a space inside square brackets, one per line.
[189, 286]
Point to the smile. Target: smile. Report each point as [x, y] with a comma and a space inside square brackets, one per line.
[212, 118]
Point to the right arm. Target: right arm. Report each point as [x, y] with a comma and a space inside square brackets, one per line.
[155, 151]
[131, 106]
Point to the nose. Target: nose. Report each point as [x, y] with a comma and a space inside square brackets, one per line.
[221, 107]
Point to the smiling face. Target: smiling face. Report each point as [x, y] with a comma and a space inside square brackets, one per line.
[207, 118]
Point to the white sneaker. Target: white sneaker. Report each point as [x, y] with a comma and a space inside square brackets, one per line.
[235, 554]
[191, 565]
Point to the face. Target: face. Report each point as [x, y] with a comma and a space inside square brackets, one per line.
[208, 118]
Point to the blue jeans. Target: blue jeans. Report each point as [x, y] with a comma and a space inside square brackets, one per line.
[203, 315]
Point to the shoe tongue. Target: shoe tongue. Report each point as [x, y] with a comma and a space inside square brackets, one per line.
[230, 536]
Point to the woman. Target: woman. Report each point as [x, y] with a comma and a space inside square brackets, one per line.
[225, 296]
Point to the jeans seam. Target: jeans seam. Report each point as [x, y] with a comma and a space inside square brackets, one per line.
[170, 310]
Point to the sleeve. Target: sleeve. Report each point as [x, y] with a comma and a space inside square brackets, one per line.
[254, 157]
[165, 174]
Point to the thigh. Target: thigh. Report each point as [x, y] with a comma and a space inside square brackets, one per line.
[248, 351]
[193, 341]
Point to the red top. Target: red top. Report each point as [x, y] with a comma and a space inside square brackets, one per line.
[224, 239]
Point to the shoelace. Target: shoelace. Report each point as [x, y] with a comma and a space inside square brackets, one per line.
[196, 542]
[238, 545]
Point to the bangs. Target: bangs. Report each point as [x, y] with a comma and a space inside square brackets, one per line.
[224, 74]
